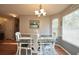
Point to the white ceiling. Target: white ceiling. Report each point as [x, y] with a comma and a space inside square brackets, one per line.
[28, 9]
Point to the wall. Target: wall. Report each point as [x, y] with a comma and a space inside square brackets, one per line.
[44, 26]
[72, 49]
[69, 47]
[8, 28]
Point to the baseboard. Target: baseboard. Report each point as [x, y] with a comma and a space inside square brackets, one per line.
[63, 49]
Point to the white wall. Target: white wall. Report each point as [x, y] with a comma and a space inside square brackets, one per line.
[44, 27]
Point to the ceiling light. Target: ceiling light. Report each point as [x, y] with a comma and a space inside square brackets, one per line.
[40, 12]
[5, 19]
[13, 15]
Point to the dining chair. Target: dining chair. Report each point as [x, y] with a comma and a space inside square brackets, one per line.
[24, 42]
[17, 35]
[47, 46]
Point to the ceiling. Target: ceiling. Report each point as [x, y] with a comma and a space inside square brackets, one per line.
[28, 9]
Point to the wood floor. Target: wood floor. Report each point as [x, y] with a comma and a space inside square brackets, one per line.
[9, 47]
[60, 51]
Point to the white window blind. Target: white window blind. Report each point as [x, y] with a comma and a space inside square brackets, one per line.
[70, 28]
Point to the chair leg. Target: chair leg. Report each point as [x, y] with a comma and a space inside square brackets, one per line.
[19, 49]
[17, 52]
[54, 49]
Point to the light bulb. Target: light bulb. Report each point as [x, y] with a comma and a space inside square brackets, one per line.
[41, 10]
[36, 12]
[44, 13]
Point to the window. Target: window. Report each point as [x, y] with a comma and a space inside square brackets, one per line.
[55, 26]
[70, 28]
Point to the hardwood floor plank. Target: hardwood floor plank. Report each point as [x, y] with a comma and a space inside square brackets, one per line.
[60, 51]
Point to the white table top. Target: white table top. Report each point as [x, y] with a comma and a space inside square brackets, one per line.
[25, 38]
[45, 38]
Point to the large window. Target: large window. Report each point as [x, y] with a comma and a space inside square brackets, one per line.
[70, 28]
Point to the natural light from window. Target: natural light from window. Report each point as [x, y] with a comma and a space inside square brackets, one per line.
[55, 26]
[70, 28]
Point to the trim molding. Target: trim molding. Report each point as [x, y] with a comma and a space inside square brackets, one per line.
[63, 49]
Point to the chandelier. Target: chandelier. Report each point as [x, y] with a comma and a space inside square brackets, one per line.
[40, 12]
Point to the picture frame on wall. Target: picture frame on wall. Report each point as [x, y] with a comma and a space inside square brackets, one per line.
[34, 24]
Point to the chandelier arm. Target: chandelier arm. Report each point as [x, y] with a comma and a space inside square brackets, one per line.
[40, 6]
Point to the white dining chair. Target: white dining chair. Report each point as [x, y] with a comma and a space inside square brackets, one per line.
[47, 46]
[22, 41]
[54, 42]
[17, 35]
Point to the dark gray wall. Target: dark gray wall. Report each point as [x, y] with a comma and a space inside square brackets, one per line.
[73, 50]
